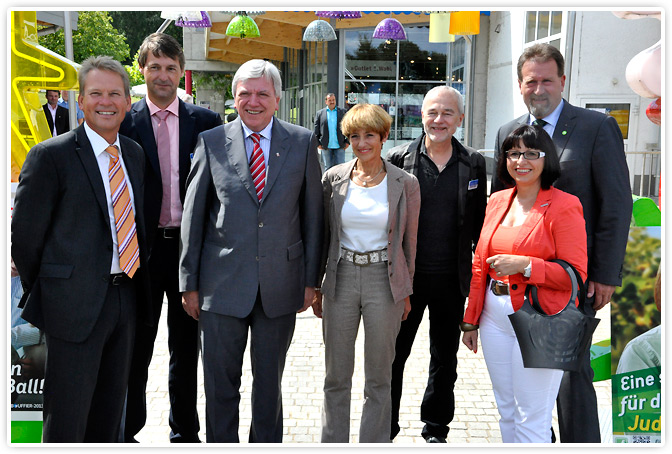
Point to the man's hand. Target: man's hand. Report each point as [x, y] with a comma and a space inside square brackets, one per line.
[317, 305]
[602, 293]
[470, 339]
[308, 299]
[190, 304]
[407, 308]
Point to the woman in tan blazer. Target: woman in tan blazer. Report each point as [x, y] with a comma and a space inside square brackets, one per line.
[371, 227]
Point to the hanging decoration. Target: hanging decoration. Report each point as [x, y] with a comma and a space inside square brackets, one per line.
[242, 26]
[339, 14]
[319, 30]
[389, 28]
[203, 22]
[465, 22]
[439, 27]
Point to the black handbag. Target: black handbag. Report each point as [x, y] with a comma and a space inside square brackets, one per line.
[556, 341]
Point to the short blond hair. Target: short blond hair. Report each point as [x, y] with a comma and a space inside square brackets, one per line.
[369, 117]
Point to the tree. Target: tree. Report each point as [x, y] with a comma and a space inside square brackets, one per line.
[95, 35]
[136, 25]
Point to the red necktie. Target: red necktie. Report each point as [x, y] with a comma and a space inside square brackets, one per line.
[257, 166]
[127, 239]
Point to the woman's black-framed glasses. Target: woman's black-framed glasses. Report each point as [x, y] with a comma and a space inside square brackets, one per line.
[529, 155]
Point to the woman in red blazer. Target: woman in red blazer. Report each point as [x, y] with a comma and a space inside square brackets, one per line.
[524, 228]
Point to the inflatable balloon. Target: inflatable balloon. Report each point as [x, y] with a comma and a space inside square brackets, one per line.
[653, 111]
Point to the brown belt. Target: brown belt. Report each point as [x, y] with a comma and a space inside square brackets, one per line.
[499, 288]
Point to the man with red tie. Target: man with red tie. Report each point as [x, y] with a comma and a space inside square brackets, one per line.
[78, 242]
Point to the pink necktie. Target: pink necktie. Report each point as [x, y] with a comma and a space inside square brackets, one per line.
[257, 166]
[127, 239]
[163, 150]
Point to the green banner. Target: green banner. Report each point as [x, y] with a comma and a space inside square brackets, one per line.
[636, 402]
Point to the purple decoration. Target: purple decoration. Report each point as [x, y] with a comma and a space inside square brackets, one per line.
[389, 29]
[339, 14]
[203, 23]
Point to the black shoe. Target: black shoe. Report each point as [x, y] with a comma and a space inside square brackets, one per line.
[432, 439]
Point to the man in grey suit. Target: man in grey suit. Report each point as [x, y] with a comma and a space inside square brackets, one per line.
[330, 138]
[78, 236]
[593, 165]
[251, 238]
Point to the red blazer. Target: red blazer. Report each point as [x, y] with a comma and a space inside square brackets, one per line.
[554, 229]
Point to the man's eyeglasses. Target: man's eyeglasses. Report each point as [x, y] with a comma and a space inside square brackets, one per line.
[530, 155]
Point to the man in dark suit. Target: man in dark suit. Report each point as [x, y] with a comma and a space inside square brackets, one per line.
[167, 129]
[78, 241]
[453, 185]
[251, 242]
[593, 165]
[330, 138]
[57, 116]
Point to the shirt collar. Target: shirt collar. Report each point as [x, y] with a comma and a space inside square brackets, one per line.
[551, 119]
[97, 142]
[173, 107]
[266, 132]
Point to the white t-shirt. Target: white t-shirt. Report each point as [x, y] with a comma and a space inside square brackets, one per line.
[364, 218]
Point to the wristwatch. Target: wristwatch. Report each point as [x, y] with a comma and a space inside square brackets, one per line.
[527, 272]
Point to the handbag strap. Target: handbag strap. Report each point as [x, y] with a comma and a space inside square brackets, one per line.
[578, 289]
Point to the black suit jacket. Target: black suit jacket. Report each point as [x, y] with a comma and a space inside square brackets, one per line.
[138, 126]
[321, 129]
[471, 202]
[62, 119]
[593, 168]
[61, 241]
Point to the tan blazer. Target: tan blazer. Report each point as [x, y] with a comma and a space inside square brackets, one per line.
[403, 196]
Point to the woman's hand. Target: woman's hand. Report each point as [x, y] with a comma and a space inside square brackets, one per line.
[470, 339]
[407, 308]
[508, 264]
[317, 304]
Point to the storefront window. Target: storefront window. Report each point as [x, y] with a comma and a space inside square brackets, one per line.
[397, 74]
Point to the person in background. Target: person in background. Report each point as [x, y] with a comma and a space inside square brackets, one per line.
[371, 222]
[330, 138]
[525, 227]
[589, 145]
[453, 186]
[167, 128]
[57, 116]
[63, 102]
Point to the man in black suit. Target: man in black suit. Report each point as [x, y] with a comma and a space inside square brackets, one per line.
[330, 139]
[80, 276]
[167, 129]
[453, 185]
[594, 168]
[57, 116]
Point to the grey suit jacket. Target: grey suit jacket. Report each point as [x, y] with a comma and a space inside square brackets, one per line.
[232, 245]
[593, 168]
[61, 241]
[322, 127]
[403, 196]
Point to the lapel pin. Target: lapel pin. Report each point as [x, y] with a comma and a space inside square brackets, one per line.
[564, 133]
[278, 155]
[543, 205]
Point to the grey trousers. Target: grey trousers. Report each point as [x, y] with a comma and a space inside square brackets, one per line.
[362, 292]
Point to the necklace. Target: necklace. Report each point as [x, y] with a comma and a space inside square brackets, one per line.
[365, 182]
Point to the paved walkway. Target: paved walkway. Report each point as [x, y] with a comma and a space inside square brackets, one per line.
[475, 416]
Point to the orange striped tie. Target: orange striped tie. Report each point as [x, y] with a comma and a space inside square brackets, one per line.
[127, 238]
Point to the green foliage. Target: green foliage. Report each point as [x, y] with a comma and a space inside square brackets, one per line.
[219, 82]
[95, 35]
[134, 73]
[633, 310]
[137, 25]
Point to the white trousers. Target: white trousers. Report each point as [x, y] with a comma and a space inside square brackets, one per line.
[525, 397]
